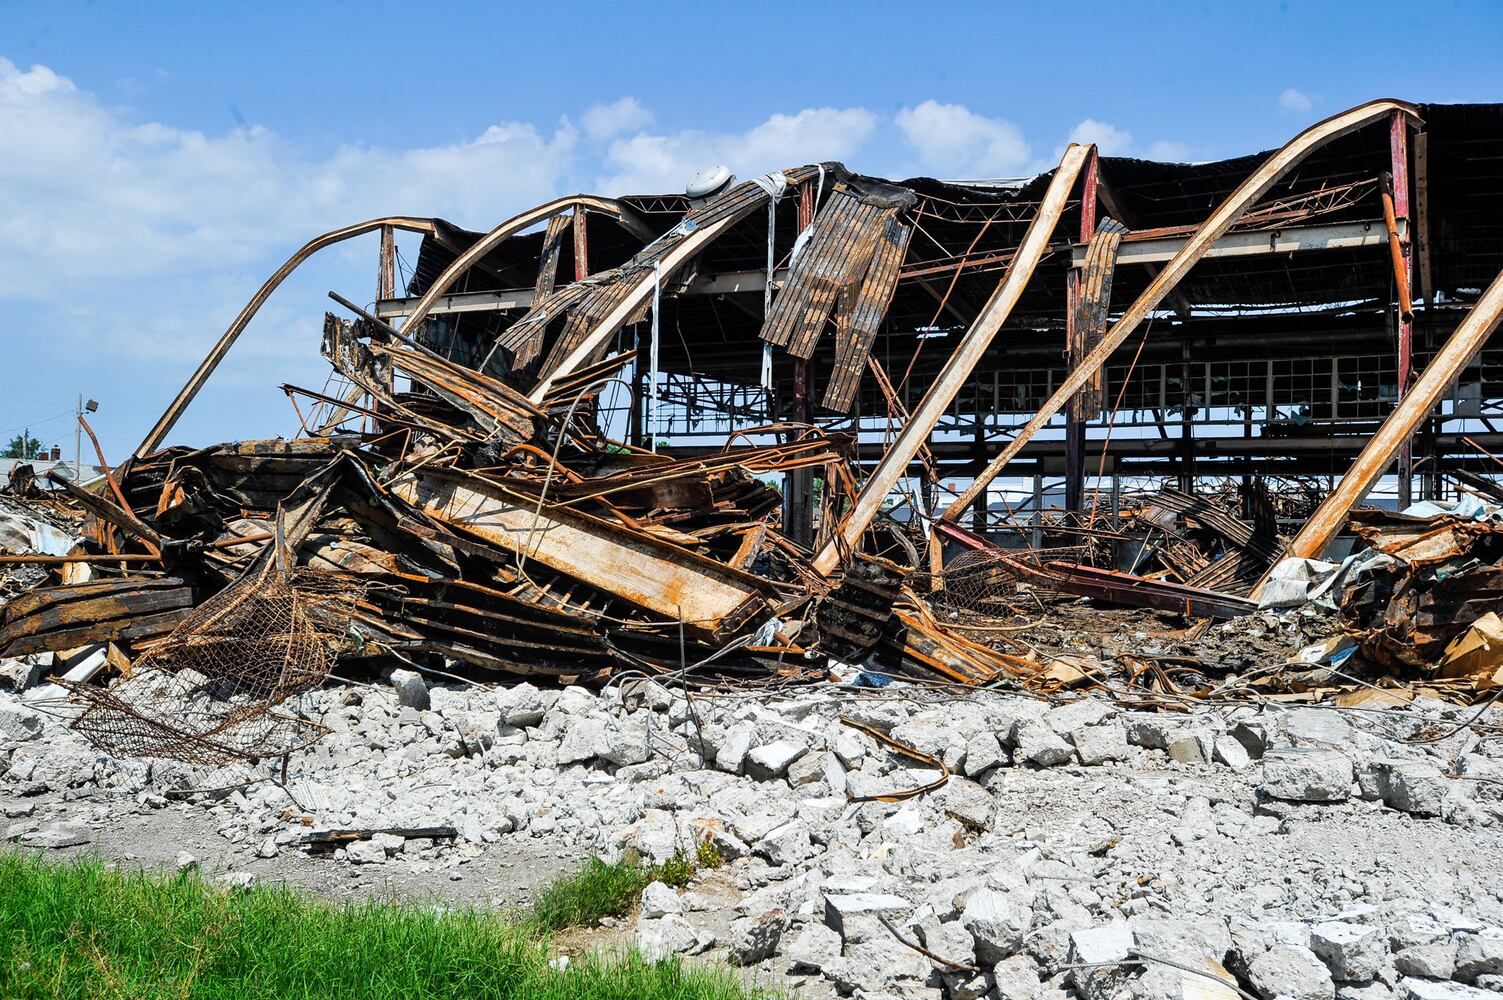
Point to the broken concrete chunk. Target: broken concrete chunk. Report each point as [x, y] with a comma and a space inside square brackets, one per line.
[523, 705]
[1297, 775]
[814, 947]
[58, 835]
[1478, 954]
[1411, 786]
[854, 916]
[771, 761]
[1017, 978]
[951, 940]
[1101, 743]
[1187, 750]
[1039, 745]
[1351, 951]
[982, 753]
[658, 900]
[1229, 751]
[1429, 989]
[19, 724]
[412, 690]
[751, 939]
[365, 852]
[1106, 943]
[1435, 960]
[665, 937]
[1287, 970]
[996, 922]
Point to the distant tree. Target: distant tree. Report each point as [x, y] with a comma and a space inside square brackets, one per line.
[20, 447]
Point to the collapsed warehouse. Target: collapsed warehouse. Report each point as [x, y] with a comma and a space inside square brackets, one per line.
[721, 432]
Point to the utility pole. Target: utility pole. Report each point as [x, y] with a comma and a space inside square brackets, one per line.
[78, 439]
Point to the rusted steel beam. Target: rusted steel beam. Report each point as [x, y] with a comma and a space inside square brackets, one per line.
[639, 569]
[1396, 251]
[1454, 356]
[1394, 208]
[179, 404]
[107, 511]
[1222, 219]
[501, 234]
[959, 366]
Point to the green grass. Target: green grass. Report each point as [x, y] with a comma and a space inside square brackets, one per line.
[87, 930]
[610, 889]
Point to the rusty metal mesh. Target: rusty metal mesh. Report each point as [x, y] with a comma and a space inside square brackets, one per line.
[983, 583]
[209, 692]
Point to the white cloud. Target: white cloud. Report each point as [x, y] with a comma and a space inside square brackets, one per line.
[1294, 101]
[98, 196]
[1109, 140]
[953, 141]
[646, 163]
[1169, 151]
[606, 121]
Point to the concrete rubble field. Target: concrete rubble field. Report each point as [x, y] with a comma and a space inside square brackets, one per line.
[1203, 737]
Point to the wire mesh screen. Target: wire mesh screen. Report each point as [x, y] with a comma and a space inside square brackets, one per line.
[984, 583]
[209, 692]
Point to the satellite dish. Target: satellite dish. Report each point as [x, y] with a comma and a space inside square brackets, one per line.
[710, 181]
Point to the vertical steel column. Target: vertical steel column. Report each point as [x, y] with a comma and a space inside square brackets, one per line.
[1075, 423]
[581, 245]
[798, 485]
[652, 364]
[387, 289]
[1186, 421]
[1398, 146]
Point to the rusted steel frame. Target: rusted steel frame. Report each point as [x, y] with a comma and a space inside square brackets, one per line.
[499, 235]
[174, 411]
[640, 292]
[1381, 448]
[958, 366]
[632, 286]
[1222, 219]
[103, 509]
[1398, 151]
[109, 477]
[1080, 329]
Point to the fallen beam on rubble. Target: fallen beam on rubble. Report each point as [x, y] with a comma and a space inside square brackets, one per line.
[959, 366]
[1196, 247]
[1109, 585]
[706, 595]
[179, 404]
[1454, 355]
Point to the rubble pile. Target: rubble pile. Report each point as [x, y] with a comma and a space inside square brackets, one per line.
[1295, 851]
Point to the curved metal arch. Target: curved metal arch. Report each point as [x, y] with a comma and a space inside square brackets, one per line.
[1227, 213]
[174, 411]
[960, 364]
[508, 229]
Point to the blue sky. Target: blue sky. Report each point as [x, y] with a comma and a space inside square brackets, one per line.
[157, 161]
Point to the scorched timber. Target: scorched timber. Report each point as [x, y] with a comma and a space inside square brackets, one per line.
[635, 567]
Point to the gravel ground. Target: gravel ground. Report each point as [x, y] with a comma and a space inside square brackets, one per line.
[1281, 851]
